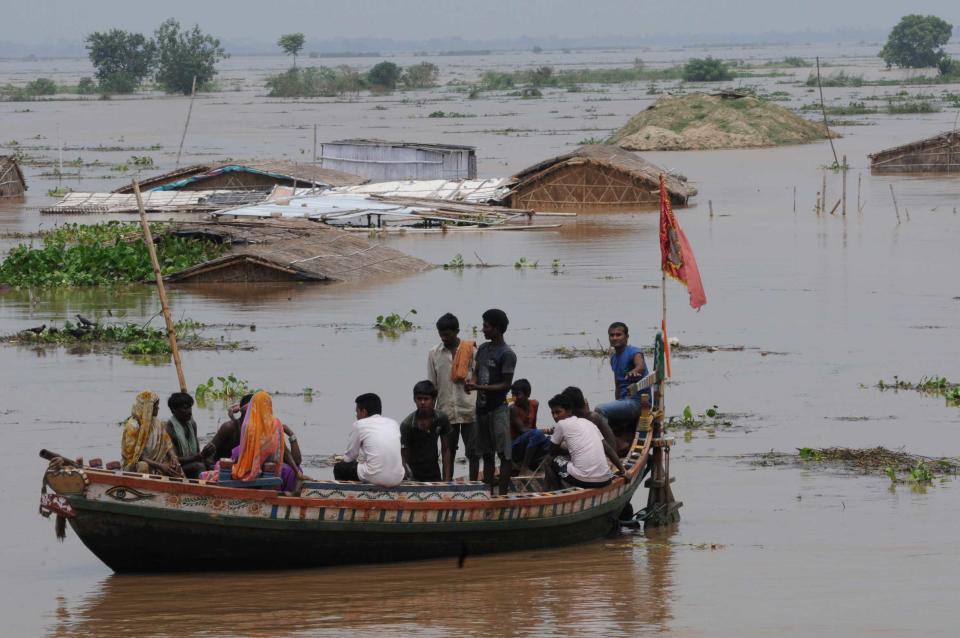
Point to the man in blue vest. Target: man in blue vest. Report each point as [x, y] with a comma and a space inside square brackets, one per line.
[629, 367]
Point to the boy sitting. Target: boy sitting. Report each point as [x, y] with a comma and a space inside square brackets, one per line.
[419, 433]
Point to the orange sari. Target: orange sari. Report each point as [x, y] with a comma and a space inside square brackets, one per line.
[261, 439]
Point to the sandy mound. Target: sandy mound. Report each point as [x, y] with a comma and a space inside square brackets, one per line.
[700, 121]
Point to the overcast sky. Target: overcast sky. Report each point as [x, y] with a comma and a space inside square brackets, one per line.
[40, 20]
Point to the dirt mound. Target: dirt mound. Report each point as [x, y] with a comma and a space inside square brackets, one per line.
[699, 121]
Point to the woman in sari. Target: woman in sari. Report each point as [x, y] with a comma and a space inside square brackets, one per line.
[146, 447]
[261, 441]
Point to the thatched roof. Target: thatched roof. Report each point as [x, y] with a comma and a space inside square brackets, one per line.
[12, 182]
[943, 139]
[613, 157]
[282, 170]
[294, 250]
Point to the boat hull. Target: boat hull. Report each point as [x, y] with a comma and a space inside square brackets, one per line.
[142, 541]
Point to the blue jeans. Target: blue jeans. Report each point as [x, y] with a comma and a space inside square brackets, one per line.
[621, 412]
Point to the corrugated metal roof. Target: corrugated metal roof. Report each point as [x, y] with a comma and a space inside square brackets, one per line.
[475, 191]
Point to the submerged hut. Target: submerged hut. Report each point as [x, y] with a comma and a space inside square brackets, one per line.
[937, 154]
[239, 176]
[383, 161]
[291, 250]
[12, 183]
[595, 178]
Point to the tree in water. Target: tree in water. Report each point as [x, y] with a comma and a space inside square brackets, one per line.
[917, 42]
[184, 55]
[421, 76]
[384, 76]
[292, 44]
[122, 59]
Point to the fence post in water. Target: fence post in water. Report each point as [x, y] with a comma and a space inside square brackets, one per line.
[843, 168]
[859, 182]
[710, 203]
[896, 208]
[823, 193]
[314, 143]
[171, 332]
[794, 200]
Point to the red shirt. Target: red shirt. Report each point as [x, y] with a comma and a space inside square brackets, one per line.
[529, 419]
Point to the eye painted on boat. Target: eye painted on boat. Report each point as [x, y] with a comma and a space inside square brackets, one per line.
[127, 494]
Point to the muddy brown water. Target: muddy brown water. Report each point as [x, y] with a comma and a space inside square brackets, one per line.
[759, 550]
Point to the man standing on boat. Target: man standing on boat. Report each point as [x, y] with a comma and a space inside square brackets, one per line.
[495, 366]
[449, 364]
[629, 367]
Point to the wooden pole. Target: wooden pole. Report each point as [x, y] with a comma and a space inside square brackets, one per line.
[794, 200]
[859, 185]
[314, 143]
[896, 208]
[171, 332]
[710, 203]
[193, 94]
[844, 196]
[823, 110]
[823, 193]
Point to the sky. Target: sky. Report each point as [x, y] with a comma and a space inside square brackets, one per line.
[47, 21]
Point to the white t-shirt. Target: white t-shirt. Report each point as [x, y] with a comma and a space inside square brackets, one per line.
[375, 445]
[588, 461]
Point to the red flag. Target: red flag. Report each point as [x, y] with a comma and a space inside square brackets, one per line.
[677, 256]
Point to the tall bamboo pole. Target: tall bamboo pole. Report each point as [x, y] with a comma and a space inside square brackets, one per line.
[171, 332]
[193, 94]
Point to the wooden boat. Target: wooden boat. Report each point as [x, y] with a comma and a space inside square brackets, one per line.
[148, 523]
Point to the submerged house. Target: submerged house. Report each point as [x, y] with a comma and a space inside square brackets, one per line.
[291, 250]
[12, 183]
[382, 161]
[937, 154]
[239, 176]
[597, 178]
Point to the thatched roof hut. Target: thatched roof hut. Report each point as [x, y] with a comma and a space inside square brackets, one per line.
[252, 175]
[12, 183]
[595, 177]
[937, 154]
[291, 250]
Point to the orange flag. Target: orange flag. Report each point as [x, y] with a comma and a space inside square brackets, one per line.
[677, 256]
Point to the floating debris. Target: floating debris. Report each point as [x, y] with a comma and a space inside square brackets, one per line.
[877, 460]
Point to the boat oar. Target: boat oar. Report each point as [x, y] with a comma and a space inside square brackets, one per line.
[148, 239]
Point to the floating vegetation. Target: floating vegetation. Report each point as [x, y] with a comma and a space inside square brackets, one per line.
[840, 78]
[101, 254]
[938, 386]
[394, 324]
[130, 338]
[709, 420]
[523, 263]
[228, 388]
[911, 106]
[913, 468]
[598, 351]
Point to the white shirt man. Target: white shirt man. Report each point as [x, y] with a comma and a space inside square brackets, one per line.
[588, 452]
[374, 449]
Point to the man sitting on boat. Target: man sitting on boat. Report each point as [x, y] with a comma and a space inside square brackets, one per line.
[419, 433]
[582, 409]
[629, 368]
[182, 430]
[146, 446]
[228, 434]
[584, 461]
[373, 449]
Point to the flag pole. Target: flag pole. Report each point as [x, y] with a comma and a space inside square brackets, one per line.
[666, 342]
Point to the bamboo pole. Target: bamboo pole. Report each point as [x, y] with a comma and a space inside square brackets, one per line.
[171, 332]
[710, 203]
[193, 94]
[859, 185]
[823, 194]
[844, 196]
[896, 208]
[314, 143]
[823, 109]
[794, 200]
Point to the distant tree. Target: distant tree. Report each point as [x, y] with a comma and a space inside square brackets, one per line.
[122, 59]
[542, 76]
[917, 42]
[41, 86]
[384, 75]
[706, 69]
[86, 86]
[183, 55]
[292, 44]
[421, 76]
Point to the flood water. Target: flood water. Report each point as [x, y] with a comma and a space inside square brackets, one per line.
[822, 305]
